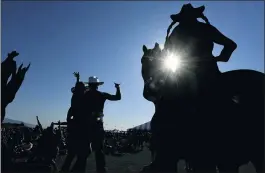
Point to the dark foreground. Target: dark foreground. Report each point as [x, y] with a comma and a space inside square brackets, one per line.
[133, 163]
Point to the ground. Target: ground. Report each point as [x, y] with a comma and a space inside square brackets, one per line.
[128, 163]
[133, 163]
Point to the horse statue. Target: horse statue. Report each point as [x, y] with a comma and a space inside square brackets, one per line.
[207, 117]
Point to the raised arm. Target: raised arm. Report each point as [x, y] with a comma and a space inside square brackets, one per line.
[39, 124]
[229, 45]
[77, 75]
[60, 129]
[115, 97]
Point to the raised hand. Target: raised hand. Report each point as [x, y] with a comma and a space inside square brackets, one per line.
[52, 125]
[117, 85]
[76, 74]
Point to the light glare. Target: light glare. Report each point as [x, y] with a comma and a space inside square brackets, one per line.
[172, 62]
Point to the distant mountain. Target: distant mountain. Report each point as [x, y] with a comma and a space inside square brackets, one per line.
[7, 120]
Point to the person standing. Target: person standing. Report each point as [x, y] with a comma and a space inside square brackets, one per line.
[74, 112]
[93, 104]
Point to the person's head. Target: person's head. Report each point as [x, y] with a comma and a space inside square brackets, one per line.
[80, 87]
[189, 14]
[94, 83]
[93, 86]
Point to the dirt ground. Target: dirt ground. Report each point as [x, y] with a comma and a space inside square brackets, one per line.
[133, 163]
[128, 163]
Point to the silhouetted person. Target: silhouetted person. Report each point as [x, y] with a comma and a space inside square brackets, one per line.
[47, 148]
[73, 119]
[93, 123]
[177, 106]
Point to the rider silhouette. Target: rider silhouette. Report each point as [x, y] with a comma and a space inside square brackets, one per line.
[197, 40]
[202, 36]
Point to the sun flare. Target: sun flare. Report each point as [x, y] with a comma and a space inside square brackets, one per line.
[172, 62]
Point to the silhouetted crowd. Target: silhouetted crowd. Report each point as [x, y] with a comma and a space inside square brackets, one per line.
[36, 148]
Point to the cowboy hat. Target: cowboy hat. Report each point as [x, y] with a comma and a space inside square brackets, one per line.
[94, 80]
[188, 9]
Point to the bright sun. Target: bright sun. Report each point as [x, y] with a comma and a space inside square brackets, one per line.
[172, 62]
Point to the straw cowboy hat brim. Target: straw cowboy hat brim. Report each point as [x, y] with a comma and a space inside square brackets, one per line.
[99, 83]
[94, 80]
[188, 8]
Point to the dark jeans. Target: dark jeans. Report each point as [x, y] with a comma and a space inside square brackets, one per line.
[97, 139]
[94, 136]
[71, 153]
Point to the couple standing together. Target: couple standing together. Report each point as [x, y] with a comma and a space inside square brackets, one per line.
[85, 123]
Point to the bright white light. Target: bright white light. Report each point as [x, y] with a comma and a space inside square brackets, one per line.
[172, 62]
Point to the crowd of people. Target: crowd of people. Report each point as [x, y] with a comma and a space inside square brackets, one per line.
[26, 148]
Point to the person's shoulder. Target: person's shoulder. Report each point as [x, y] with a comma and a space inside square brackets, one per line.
[206, 25]
[104, 94]
[203, 24]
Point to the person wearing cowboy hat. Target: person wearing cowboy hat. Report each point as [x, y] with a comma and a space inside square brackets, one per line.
[93, 103]
[198, 39]
[189, 25]
[187, 13]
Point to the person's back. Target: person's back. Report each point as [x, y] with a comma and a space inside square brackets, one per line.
[195, 40]
[194, 44]
[94, 100]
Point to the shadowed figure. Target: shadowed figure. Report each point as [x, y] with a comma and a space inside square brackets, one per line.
[73, 116]
[9, 89]
[218, 118]
[85, 124]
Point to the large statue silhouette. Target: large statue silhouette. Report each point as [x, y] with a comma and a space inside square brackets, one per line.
[11, 87]
[202, 115]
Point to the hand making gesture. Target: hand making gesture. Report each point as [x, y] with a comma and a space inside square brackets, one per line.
[77, 75]
[117, 85]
